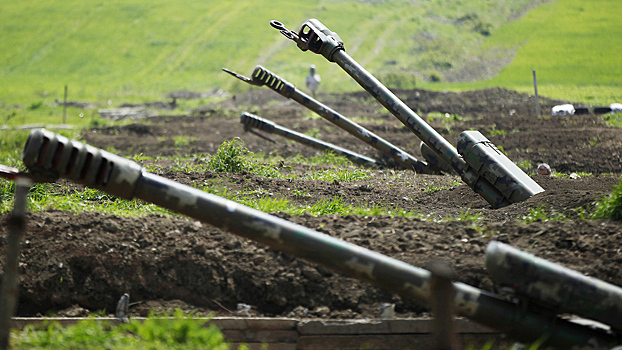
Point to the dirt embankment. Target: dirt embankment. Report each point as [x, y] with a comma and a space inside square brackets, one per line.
[91, 259]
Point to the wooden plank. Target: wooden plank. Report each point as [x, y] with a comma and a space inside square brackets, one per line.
[260, 336]
[265, 346]
[254, 323]
[356, 342]
[397, 326]
[21, 322]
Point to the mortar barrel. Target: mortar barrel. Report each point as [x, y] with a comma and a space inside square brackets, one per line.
[262, 76]
[119, 176]
[254, 121]
[552, 285]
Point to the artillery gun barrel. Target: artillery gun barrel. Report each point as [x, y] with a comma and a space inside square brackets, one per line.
[552, 285]
[254, 121]
[262, 76]
[48, 154]
[487, 171]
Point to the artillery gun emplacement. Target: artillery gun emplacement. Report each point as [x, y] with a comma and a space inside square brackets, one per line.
[49, 156]
[479, 163]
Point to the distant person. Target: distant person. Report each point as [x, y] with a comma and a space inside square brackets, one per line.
[313, 80]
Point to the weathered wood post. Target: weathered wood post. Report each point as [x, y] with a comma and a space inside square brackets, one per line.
[535, 86]
[10, 281]
[442, 294]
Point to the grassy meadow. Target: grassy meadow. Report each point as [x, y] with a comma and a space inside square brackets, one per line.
[131, 51]
[570, 44]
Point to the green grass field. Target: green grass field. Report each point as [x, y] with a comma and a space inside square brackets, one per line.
[128, 51]
[571, 45]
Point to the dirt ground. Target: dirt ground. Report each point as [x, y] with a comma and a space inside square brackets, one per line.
[77, 264]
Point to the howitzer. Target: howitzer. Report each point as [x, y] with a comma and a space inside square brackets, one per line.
[253, 121]
[553, 286]
[261, 76]
[50, 156]
[478, 162]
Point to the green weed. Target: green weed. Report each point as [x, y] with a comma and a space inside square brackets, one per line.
[315, 133]
[540, 214]
[341, 174]
[467, 215]
[300, 193]
[610, 206]
[229, 157]
[613, 119]
[524, 164]
[431, 187]
[497, 132]
[156, 332]
[183, 141]
[328, 158]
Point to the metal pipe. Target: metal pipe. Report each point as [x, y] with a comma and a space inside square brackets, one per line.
[254, 121]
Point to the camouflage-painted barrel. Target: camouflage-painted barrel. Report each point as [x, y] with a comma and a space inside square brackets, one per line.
[315, 37]
[391, 153]
[53, 156]
[254, 121]
[554, 286]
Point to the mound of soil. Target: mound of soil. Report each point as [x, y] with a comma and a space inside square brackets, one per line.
[77, 263]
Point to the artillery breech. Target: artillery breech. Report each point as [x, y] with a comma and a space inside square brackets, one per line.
[265, 77]
[254, 121]
[48, 153]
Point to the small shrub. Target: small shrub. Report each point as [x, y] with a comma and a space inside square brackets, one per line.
[35, 105]
[435, 77]
[399, 79]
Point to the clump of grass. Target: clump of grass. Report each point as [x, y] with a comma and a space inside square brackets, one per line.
[315, 133]
[183, 141]
[497, 132]
[540, 214]
[431, 187]
[233, 157]
[230, 157]
[156, 332]
[610, 206]
[328, 158]
[613, 119]
[341, 174]
[467, 215]
[524, 164]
